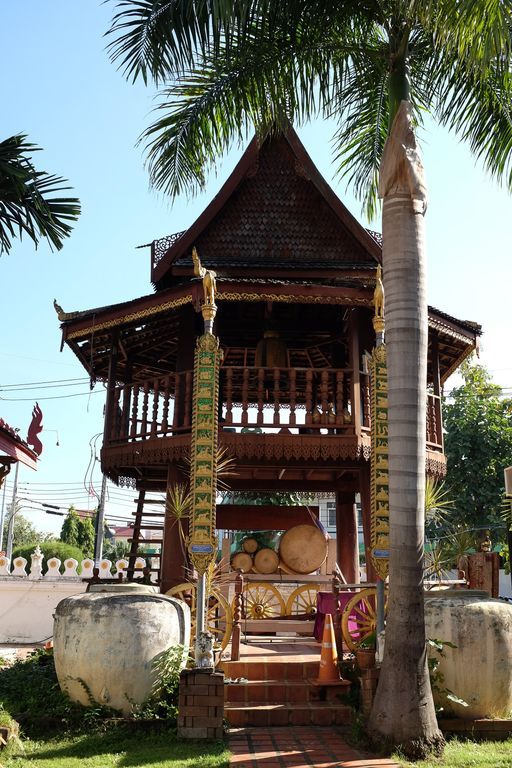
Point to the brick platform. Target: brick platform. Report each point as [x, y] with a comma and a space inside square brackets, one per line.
[201, 704]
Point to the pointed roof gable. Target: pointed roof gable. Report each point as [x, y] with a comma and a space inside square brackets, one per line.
[274, 212]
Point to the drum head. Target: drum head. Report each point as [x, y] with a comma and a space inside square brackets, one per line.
[303, 548]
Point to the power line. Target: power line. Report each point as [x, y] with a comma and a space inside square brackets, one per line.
[55, 397]
[50, 382]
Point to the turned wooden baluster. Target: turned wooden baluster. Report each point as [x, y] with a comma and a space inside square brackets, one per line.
[261, 390]
[188, 399]
[135, 410]
[177, 395]
[336, 619]
[245, 397]
[154, 416]
[366, 403]
[339, 397]
[277, 375]
[125, 415]
[229, 396]
[293, 396]
[237, 617]
[309, 396]
[165, 406]
[116, 414]
[144, 424]
[324, 395]
[429, 420]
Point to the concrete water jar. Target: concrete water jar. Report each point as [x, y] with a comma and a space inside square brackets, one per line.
[479, 669]
[106, 642]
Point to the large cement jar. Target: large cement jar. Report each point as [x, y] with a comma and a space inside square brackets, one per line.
[107, 641]
[479, 669]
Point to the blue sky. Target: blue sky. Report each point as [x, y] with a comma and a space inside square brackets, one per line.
[59, 87]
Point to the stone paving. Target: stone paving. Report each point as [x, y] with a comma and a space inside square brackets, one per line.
[298, 747]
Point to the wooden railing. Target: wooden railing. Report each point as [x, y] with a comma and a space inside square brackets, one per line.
[434, 423]
[294, 398]
[302, 400]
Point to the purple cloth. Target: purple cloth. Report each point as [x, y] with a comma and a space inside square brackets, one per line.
[325, 604]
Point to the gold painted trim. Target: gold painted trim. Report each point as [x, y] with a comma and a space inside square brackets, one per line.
[202, 544]
[173, 304]
[292, 299]
[379, 528]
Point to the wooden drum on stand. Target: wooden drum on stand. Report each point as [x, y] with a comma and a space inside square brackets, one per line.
[266, 561]
[250, 545]
[241, 561]
[303, 548]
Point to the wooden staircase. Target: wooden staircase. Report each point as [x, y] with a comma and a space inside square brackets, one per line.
[145, 521]
[280, 691]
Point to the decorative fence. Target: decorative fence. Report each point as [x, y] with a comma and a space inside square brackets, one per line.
[18, 568]
[28, 600]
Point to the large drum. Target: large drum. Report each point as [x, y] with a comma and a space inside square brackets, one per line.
[303, 548]
[250, 545]
[266, 561]
[241, 561]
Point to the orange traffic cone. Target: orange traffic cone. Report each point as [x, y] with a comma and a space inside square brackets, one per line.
[329, 672]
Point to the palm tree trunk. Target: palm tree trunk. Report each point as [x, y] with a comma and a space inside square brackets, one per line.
[403, 712]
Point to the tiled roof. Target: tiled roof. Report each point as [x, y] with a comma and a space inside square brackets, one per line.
[275, 211]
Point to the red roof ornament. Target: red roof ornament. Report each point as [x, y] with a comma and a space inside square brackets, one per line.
[36, 426]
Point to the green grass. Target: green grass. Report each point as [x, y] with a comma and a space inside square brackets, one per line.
[468, 754]
[117, 749]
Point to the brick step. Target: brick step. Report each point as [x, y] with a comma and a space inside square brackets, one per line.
[272, 670]
[320, 713]
[270, 691]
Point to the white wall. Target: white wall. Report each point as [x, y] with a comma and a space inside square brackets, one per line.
[27, 607]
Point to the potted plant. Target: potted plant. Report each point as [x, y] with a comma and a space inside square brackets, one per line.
[365, 651]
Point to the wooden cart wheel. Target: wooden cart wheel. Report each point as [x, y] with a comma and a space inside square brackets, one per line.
[303, 600]
[262, 601]
[359, 618]
[219, 619]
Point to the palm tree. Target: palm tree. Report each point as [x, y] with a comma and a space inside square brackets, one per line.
[27, 205]
[376, 66]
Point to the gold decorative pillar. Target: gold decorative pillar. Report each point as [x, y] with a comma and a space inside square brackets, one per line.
[202, 544]
[379, 537]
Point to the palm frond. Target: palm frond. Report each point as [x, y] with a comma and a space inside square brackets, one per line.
[156, 38]
[479, 109]
[267, 84]
[362, 105]
[476, 34]
[27, 205]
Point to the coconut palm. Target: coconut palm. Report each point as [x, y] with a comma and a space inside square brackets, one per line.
[27, 202]
[375, 66]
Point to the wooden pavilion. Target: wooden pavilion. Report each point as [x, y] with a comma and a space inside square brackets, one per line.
[295, 275]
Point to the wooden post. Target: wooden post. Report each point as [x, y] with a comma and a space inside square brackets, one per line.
[366, 510]
[184, 362]
[111, 385]
[436, 376]
[347, 545]
[237, 618]
[173, 563]
[355, 365]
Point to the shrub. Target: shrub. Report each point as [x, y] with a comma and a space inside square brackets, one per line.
[49, 549]
[30, 692]
[162, 703]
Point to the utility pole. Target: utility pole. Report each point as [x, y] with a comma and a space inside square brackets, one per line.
[100, 515]
[2, 515]
[10, 529]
